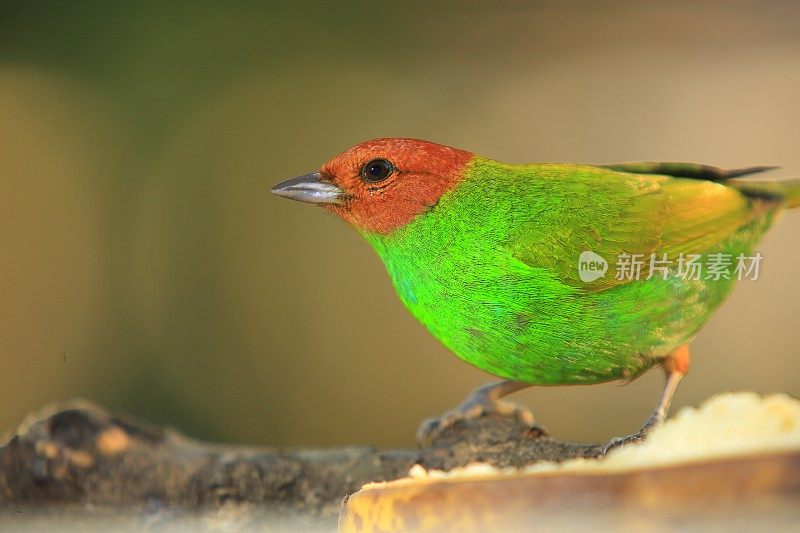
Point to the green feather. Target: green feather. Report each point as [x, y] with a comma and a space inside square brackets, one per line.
[492, 269]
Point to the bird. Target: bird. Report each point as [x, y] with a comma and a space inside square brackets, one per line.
[526, 271]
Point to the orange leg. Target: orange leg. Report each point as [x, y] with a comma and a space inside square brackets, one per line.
[676, 365]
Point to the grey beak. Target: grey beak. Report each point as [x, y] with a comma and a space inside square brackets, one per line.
[310, 188]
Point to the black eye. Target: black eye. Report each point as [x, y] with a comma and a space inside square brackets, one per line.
[377, 170]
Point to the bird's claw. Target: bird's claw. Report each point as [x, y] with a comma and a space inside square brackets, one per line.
[475, 406]
[616, 442]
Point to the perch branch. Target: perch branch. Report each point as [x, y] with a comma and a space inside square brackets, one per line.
[79, 455]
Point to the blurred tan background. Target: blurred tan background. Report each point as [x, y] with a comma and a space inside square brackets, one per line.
[145, 266]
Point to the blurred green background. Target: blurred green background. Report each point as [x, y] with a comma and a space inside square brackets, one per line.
[145, 266]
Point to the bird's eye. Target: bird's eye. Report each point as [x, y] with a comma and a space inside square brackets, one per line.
[377, 170]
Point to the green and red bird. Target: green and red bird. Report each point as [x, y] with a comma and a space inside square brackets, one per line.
[486, 255]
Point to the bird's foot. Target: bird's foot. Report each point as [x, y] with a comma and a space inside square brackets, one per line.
[617, 442]
[676, 365]
[482, 402]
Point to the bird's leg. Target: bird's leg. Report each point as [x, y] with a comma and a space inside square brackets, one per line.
[481, 401]
[676, 365]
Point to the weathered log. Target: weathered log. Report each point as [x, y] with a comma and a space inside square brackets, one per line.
[77, 458]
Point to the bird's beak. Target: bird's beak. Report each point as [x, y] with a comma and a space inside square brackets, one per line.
[310, 188]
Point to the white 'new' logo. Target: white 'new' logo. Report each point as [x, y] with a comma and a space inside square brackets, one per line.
[591, 266]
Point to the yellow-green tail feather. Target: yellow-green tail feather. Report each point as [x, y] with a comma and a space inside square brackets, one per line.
[786, 191]
[793, 193]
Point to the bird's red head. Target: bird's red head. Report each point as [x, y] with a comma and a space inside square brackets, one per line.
[383, 184]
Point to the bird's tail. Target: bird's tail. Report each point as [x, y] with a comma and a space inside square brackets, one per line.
[786, 192]
[793, 194]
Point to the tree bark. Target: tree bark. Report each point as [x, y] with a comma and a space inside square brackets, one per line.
[79, 458]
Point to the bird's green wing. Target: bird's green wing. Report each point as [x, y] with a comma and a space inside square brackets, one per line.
[618, 214]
